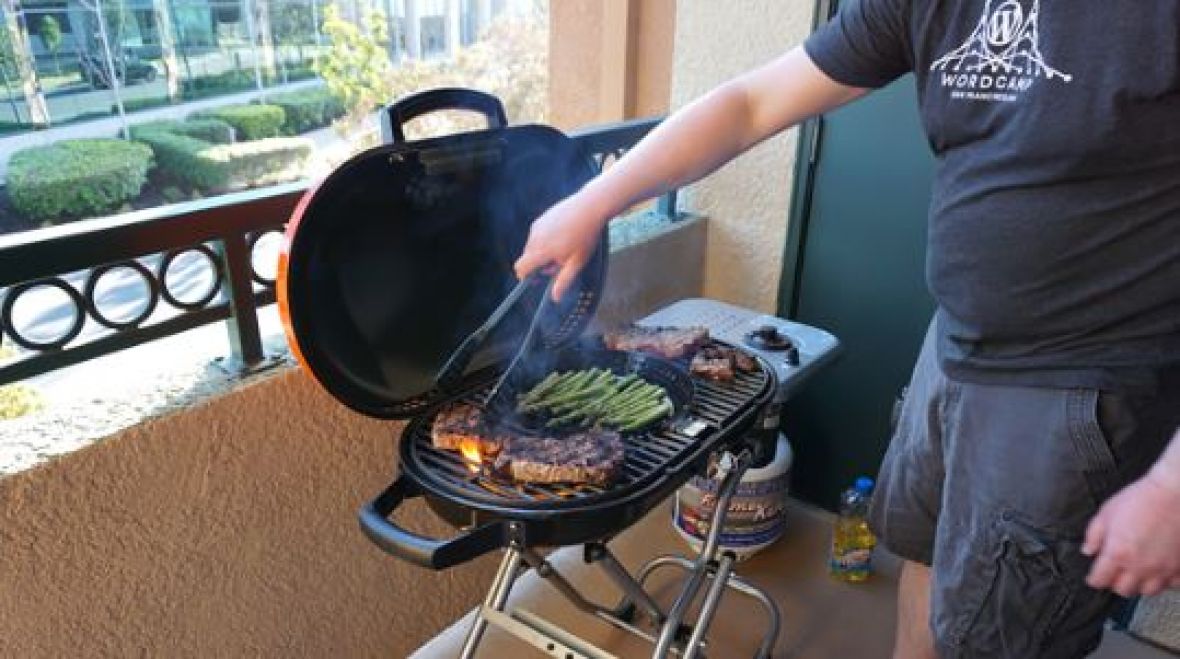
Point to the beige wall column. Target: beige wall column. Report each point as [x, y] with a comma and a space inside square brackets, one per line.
[746, 202]
[609, 60]
[616, 99]
[656, 25]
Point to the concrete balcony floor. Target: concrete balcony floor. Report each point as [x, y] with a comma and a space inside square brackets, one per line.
[822, 618]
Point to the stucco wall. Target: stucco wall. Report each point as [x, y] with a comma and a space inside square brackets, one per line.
[225, 530]
[747, 201]
[229, 529]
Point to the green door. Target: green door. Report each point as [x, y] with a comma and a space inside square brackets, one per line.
[855, 267]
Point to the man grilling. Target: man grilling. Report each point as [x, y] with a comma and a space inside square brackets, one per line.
[1036, 468]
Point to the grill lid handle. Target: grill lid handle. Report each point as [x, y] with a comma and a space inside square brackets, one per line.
[395, 117]
[427, 552]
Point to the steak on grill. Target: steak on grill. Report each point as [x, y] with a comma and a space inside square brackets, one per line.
[594, 457]
[668, 342]
[721, 363]
[463, 422]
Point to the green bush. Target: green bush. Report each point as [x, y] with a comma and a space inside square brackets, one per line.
[262, 162]
[206, 166]
[181, 158]
[74, 178]
[135, 104]
[252, 122]
[214, 131]
[213, 85]
[308, 109]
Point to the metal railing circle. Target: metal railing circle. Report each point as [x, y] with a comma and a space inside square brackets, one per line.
[162, 276]
[153, 297]
[69, 335]
[251, 243]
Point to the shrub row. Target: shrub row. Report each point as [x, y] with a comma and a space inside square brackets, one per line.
[261, 162]
[74, 178]
[214, 131]
[179, 158]
[205, 166]
[308, 109]
[251, 122]
[241, 80]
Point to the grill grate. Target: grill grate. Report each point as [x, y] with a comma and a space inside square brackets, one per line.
[648, 453]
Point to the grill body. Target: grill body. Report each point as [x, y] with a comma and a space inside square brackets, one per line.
[658, 461]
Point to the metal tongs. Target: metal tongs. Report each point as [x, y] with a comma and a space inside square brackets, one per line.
[453, 370]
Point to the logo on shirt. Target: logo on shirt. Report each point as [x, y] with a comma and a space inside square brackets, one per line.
[1001, 59]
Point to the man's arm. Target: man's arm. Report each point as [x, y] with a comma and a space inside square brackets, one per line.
[689, 144]
[1135, 537]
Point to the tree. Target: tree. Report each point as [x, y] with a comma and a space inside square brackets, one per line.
[292, 24]
[50, 32]
[9, 71]
[18, 60]
[356, 66]
[510, 61]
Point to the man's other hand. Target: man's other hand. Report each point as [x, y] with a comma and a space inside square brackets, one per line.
[1135, 538]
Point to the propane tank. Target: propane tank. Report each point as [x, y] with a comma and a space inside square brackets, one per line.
[757, 512]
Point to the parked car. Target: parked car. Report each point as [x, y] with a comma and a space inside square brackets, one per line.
[130, 71]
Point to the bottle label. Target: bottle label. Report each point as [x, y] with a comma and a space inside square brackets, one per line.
[855, 561]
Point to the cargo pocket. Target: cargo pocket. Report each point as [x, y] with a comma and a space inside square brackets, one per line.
[1034, 578]
[1091, 446]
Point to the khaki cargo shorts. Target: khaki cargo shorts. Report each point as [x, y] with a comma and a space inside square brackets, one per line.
[993, 486]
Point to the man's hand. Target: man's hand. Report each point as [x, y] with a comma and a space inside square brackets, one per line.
[563, 239]
[1135, 538]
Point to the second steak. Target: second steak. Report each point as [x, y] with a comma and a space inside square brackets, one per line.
[594, 457]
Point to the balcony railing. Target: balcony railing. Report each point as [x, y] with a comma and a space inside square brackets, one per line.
[223, 232]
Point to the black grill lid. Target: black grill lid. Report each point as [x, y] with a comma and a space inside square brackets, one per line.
[406, 248]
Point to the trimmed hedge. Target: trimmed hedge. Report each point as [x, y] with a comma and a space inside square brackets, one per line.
[214, 131]
[179, 157]
[206, 166]
[136, 104]
[75, 178]
[308, 109]
[261, 162]
[252, 122]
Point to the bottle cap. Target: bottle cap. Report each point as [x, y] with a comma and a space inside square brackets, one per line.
[864, 485]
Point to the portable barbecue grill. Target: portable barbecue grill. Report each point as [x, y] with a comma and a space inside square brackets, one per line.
[394, 259]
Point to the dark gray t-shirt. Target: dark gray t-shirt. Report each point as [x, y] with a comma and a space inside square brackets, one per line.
[1054, 250]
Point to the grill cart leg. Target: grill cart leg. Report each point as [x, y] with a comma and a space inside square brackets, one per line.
[497, 596]
[633, 593]
[732, 469]
[774, 618]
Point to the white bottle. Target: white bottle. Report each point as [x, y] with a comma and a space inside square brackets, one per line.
[757, 512]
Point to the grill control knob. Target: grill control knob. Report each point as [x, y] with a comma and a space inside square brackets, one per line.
[792, 356]
[767, 337]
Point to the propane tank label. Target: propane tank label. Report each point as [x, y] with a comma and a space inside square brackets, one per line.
[756, 513]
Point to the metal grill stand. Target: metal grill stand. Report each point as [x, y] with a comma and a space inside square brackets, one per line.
[673, 635]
